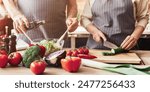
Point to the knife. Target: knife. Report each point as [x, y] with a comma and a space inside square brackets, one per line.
[110, 45]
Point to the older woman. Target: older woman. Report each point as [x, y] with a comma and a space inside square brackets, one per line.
[53, 11]
[118, 21]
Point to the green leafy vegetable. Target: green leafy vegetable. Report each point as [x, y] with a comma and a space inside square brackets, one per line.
[50, 46]
[30, 55]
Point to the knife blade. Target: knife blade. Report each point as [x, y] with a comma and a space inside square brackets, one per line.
[109, 45]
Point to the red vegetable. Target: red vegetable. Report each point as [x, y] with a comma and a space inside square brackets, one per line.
[3, 60]
[86, 50]
[80, 51]
[69, 53]
[38, 67]
[42, 50]
[75, 53]
[14, 59]
[86, 56]
[71, 64]
[3, 52]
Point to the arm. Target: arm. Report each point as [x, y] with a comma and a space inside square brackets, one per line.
[86, 22]
[11, 8]
[71, 9]
[20, 21]
[3, 11]
[71, 20]
[142, 20]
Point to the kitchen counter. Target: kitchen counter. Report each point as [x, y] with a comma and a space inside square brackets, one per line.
[144, 55]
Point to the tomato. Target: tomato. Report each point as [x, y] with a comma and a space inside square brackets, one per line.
[14, 59]
[69, 53]
[38, 67]
[3, 60]
[71, 64]
[74, 53]
[86, 50]
[3, 52]
[80, 51]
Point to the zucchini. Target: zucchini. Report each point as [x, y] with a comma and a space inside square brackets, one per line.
[118, 50]
[115, 51]
[108, 53]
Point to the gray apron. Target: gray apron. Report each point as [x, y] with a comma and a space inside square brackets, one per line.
[53, 11]
[115, 18]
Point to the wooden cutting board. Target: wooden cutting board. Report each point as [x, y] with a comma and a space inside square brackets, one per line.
[128, 58]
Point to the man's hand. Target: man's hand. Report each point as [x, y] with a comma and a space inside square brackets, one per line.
[72, 24]
[98, 36]
[20, 23]
[129, 42]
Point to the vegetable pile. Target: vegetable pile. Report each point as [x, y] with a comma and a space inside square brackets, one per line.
[82, 52]
[35, 52]
[14, 59]
[50, 46]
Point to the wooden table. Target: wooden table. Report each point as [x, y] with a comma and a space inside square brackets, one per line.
[144, 55]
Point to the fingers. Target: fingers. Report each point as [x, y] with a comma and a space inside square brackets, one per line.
[129, 43]
[20, 23]
[99, 36]
[26, 22]
[72, 24]
[102, 36]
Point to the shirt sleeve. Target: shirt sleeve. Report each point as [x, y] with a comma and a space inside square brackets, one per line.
[141, 12]
[86, 15]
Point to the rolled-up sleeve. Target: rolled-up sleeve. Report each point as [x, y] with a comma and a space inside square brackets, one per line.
[86, 15]
[141, 12]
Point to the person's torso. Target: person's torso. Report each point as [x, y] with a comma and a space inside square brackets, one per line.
[52, 11]
[115, 18]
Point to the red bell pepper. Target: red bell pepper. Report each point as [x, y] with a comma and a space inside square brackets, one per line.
[71, 64]
[86, 56]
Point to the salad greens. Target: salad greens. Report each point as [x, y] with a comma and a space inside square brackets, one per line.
[50, 46]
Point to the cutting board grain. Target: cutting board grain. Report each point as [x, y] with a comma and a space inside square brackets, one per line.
[124, 58]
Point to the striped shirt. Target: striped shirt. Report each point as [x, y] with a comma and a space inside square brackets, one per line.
[140, 12]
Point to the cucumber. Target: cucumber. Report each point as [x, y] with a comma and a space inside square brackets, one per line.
[118, 50]
[108, 53]
[115, 51]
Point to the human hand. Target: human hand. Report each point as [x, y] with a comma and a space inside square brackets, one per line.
[129, 42]
[98, 36]
[20, 23]
[72, 24]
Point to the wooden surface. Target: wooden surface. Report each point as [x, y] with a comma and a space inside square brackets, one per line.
[127, 58]
[144, 55]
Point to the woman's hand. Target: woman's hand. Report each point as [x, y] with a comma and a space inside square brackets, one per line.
[98, 36]
[72, 24]
[129, 42]
[20, 23]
